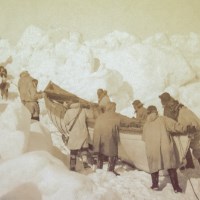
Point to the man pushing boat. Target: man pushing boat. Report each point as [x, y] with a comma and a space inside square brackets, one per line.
[106, 136]
[77, 133]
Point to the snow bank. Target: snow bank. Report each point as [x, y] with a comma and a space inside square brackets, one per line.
[128, 67]
[14, 126]
[40, 140]
[41, 172]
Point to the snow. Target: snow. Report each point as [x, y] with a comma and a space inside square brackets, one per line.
[15, 125]
[34, 162]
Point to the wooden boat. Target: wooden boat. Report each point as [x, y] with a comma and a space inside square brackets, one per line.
[131, 147]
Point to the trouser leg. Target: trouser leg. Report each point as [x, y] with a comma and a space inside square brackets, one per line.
[154, 178]
[97, 161]
[174, 180]
[84, 157]
[111, 164]
[100, 161]
[190, 163]
[195, 146]
[73, 154]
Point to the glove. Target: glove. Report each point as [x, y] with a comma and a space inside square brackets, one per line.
[191, 129]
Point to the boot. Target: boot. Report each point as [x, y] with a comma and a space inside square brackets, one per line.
[174, 180]
[111, 164]
[85, 160]
[100, 161]
[36, 118]
[154, 178]
[94, 161]
[190, 163]
[72, 161]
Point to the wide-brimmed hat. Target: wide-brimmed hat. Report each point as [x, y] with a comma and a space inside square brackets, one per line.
[137, 103]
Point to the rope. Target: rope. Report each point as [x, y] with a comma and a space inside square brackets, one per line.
[191, 186]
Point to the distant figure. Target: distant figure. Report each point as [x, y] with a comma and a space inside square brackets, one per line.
[106, 136]
[171, 110]
[159, 146]
[34, 105]
[29, 96]
[75, 121]
[4, 85]
[141, 112]
[103, 99]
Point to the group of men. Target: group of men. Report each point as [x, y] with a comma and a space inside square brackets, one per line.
[157, 134]
[157, 130]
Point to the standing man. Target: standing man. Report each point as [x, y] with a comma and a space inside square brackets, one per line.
[4, 84]
[106, 136]
[171, 110]
[29, 96]
[33, 105]
[75, 121]
[24, 84]
[188, 118]
[159, 146]
[103, 99]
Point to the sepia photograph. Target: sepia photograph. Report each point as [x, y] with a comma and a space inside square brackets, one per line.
[100, 99]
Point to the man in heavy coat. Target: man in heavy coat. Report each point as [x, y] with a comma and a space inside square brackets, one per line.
[188, 118]
[4, 84]
[75, 121]
[33, 105]
[24, 84]
[29, 96]
[160, 147]
[103, 99]
[106, 135]
[171, 110]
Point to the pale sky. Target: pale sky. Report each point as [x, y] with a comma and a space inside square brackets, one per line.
[95, 18]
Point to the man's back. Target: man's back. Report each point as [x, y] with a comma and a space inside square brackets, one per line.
[24, 85]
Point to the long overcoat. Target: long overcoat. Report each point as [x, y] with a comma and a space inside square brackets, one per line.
[187, 117]
[160, 149]
[25, 85]
[78, 136]
[28, 93]
[106, 133]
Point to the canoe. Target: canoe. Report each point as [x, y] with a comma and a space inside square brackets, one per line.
[131, 147]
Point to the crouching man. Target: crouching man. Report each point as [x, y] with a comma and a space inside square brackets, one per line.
[75, 121]
[159, 146]
[106, 136]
